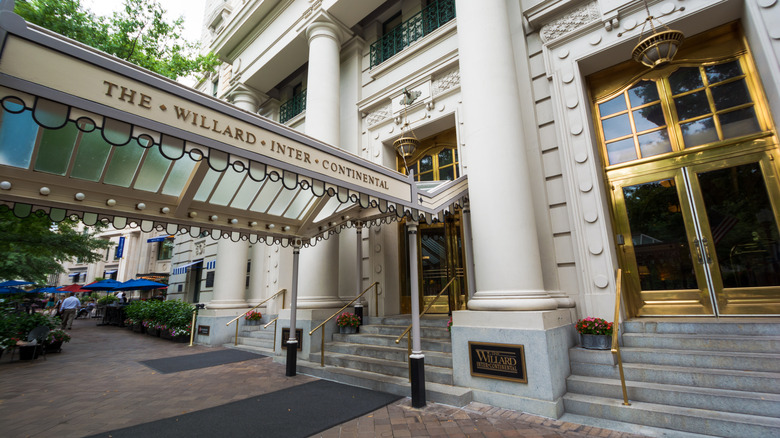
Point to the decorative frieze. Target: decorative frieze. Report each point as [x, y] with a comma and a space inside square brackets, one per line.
[571, 21]
[379, 114]
[446, 81]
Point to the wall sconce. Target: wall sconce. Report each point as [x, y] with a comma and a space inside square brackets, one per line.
[660, 46]
[407, 143]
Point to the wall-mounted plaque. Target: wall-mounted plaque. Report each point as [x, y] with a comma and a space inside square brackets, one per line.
[498, 361]
[286, 336]
[204, 330]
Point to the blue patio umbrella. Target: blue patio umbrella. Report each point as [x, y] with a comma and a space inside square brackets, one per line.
[11, 290]
[15, 283]
[45, 290]
[107, 284]
[140, 284]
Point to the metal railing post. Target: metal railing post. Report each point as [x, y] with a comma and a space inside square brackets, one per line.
[615, 343]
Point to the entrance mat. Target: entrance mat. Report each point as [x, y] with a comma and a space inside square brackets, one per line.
[300, 411]
[200, 360]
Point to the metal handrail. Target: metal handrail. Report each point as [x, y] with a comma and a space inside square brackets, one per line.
[282, 291]
[409, 338]
[273, 321]
[615, 328]
[322, 346]
[433, 301]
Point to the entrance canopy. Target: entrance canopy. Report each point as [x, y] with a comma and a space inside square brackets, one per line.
[83, 133]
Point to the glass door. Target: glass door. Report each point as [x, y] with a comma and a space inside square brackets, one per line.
[702, 239]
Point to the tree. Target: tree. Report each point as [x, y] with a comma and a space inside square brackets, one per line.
[32, 248]
[140, 34]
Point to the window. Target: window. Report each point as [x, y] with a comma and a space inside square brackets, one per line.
[215, 87]
[687, 105]
[440, 163]
[165, 249]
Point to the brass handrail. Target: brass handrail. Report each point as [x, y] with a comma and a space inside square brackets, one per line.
[615, 328]
[273, 321]
[282, 291]
[322, 346]
[409, 338]
[433, 301]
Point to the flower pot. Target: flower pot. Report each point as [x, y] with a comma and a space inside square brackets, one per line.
[181, 338]
[153, 332]
[53, 347]
[596, 342]
[166, 334]
[348, 329]
[252, 322]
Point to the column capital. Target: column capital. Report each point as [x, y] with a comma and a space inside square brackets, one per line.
[246, 98]
[324, 25]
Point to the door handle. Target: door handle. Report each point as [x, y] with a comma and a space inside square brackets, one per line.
[698, 251]
[704, 243]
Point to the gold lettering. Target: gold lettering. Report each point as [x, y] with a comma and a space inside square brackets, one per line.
[182, 114]
[202, 121]
[306, 158]
[195, 119]
[239, 134]
[125, 93]
[250, 138]
[146, 101]
[214, 128]
[228, 132]
[110, 89]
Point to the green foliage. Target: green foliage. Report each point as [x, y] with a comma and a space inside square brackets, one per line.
[166, 315]
[15, 325]
[108, 299]
[140, 34]
[31, 248]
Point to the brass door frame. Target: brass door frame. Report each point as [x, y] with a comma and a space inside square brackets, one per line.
[712, 297]
[458, 287]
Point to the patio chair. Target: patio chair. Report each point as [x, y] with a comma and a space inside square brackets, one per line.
[39, 334]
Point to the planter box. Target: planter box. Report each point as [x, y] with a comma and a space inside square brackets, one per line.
[153, 332]
[139, 328]
[348, 330]
[53, 347]
[596, 342]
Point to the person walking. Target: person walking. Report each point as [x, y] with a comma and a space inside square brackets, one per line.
[69, 308]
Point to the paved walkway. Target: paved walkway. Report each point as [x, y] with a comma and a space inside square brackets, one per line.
[97, 384]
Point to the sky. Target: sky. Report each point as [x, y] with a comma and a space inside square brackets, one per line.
[191, 10]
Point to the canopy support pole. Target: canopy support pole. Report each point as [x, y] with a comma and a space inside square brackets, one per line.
[417, 358]
[359, 274]
[292, 342]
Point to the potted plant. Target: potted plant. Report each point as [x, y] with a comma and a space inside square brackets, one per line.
[595, 333]
[55, 339]
[253, 318]
[449, 325]
[348, 322]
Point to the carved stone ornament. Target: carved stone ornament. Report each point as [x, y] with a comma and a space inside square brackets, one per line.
[446, 81]
[378, 115]
[571, 21]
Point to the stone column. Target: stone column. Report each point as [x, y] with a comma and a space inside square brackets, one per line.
[257, 279]
[230, 275]
[503, 227]
[319, 264]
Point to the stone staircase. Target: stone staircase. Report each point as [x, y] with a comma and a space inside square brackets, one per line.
[255, 338]
[371, 359]
[704, 377]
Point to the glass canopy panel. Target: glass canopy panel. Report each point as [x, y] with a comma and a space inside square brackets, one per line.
[228, 184]
[56, 149]
[308, 208]
[17, 139]
[267, 195]
[207, 185]
[282, 202]
[123, 165]
[299, 204]
[153, 171]
[246, 194]
[91, 156]
[177, 179]
[330, 208]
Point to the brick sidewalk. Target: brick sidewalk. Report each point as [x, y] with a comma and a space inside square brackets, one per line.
[97, 384]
